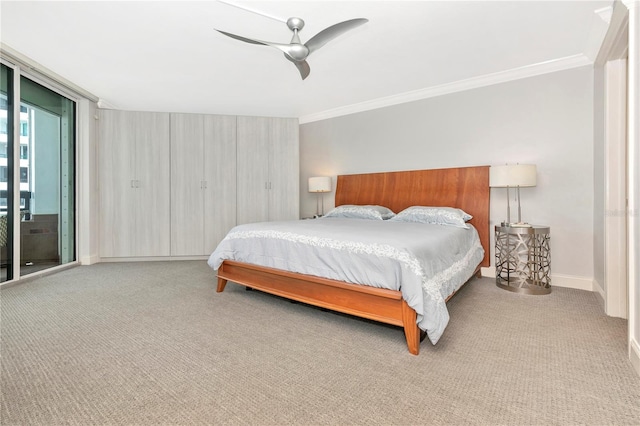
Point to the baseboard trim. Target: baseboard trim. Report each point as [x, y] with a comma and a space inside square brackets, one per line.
[571, 281]
[489, 271]
[151, 258]
[597, 288]
[634, 355]
[89, 260]
[557, 280]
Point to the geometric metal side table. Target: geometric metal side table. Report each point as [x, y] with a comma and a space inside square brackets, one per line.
[523, 259]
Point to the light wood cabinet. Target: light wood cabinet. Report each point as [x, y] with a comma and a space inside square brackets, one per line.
[203, 182]
[221, 174]
[268, 169]
[134, 182]
[173, 185]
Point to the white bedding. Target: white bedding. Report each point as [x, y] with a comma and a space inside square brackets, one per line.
[427, 263]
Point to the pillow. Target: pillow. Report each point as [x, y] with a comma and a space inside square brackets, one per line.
[361, 212]
[435, 215]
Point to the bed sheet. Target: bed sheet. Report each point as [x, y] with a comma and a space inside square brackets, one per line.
[425, 262]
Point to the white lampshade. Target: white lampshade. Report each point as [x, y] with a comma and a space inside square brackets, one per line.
[512, 175]
[320, 184]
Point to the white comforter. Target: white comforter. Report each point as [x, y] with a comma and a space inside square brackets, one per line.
[426, 263]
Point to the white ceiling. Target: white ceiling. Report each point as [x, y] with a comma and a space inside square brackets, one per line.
[166, 56]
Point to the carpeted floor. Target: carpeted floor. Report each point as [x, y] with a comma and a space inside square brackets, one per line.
[152, 343]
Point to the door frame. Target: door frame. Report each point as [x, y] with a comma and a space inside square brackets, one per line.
[21, 69]
[613, 58]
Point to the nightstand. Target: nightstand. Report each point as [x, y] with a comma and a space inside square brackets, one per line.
[523, 259]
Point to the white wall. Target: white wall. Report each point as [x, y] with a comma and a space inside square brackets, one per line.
[545, 120]
[87, 183]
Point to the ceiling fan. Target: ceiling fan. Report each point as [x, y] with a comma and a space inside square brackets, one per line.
[297, 52]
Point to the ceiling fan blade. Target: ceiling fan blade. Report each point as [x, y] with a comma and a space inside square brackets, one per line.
[303, 67]
[246, 40]
[285, 48]
[328, 34]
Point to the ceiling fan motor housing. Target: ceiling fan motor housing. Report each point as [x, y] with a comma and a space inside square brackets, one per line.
[295, 24]
[298, 52]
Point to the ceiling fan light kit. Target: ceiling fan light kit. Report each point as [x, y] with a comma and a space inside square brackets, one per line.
[296, 51]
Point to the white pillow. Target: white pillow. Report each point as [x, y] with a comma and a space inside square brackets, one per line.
[435, 215]
[361, 212]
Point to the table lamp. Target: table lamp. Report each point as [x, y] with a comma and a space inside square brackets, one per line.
[320, 185]
[513, 176]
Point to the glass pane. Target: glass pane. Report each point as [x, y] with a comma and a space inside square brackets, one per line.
[6, 173]
[47, 175]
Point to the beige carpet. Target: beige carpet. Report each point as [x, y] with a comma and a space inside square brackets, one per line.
[152, 343]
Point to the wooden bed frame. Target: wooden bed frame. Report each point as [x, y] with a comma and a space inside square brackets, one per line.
[466, 188]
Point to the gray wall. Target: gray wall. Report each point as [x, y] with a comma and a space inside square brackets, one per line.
[545, 120]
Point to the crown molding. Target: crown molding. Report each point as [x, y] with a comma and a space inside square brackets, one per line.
[614, 43]
[102, 104]
[39, 70]
[605, 13]
[457, 86]
[600, 24]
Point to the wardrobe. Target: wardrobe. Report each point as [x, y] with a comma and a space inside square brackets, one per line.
[171, 185]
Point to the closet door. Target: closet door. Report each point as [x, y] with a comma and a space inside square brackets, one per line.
[153, 176]
[134, 183]
[220, 178]
[187, 184]
[253, 169]
[116, 176]
[203, 182]
[284, 170]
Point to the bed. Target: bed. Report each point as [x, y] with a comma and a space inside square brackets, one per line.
[465, 188]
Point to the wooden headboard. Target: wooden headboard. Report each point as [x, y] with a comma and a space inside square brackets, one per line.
[466, 188]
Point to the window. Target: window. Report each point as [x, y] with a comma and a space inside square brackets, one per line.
[24, 128]
[24, 175]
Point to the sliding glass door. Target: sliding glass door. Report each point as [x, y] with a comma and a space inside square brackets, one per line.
[47, 231]
[43, 171]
